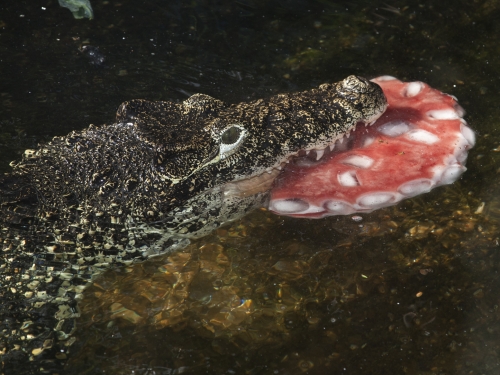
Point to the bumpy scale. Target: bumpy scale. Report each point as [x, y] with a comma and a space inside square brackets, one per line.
[115, 194]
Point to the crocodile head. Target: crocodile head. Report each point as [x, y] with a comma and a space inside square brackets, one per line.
[204, 138]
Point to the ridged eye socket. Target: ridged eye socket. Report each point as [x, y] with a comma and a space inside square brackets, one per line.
[231, 135]
[230, 139]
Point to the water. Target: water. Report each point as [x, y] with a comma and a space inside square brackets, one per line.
[410, 289]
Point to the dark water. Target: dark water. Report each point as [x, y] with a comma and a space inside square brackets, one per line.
[412, 289]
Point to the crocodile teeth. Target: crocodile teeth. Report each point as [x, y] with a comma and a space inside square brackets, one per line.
[332, 146]
[307, 152]
[319, 154]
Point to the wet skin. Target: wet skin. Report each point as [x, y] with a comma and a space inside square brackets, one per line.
[116, 194]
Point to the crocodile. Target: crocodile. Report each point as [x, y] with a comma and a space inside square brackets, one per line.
[162, 174]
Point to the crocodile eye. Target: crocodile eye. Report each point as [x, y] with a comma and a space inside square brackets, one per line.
[231, 135]
[230, 139]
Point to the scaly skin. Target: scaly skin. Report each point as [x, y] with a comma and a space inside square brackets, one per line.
[120, 193]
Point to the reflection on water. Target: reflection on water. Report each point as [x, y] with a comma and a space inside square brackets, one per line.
[409, 289]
